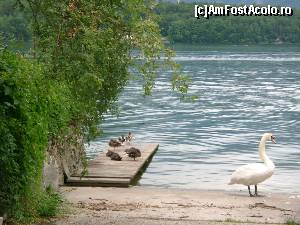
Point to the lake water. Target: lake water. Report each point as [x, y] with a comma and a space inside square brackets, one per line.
[243, 93]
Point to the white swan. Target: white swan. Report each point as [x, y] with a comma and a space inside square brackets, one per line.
[253, 174]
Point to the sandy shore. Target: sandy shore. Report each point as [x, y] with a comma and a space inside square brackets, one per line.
[142, 205]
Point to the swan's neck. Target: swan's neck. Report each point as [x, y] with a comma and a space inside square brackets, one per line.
[262, 153]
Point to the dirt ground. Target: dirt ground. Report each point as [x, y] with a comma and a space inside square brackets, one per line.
[154, 206]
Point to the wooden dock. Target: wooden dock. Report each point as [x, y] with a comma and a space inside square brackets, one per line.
[104, 172]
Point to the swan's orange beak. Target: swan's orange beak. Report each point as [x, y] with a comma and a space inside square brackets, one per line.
[273, 139]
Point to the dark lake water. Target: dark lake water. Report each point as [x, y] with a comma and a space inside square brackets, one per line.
[243, 93]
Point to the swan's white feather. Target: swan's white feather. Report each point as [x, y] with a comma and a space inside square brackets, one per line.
[251, 174]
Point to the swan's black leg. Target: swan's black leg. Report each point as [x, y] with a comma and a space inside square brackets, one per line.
[256, 193]
[251, 195]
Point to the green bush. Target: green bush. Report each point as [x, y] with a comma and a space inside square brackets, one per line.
[31, 111]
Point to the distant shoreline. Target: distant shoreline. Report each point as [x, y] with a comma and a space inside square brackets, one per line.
[248, 47]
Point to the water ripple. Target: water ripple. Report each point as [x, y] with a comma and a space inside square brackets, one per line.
[241, 96]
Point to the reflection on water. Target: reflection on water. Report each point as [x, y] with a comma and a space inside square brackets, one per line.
[242, 95]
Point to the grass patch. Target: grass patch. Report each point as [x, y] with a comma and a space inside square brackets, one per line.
[38, 208]
[292, 222]
[49, 204]
[231, 220]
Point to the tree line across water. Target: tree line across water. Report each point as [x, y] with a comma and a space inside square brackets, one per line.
[178, 24]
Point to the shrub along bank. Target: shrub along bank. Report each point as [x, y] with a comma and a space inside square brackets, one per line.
[32, 110]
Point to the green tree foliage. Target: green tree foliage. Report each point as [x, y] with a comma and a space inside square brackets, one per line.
[88, 45]
[180, 26]
[82, 52]
[14, 25]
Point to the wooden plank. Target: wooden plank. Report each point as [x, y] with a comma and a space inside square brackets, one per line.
[102, 171]
[105, 180]
[108, 182]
